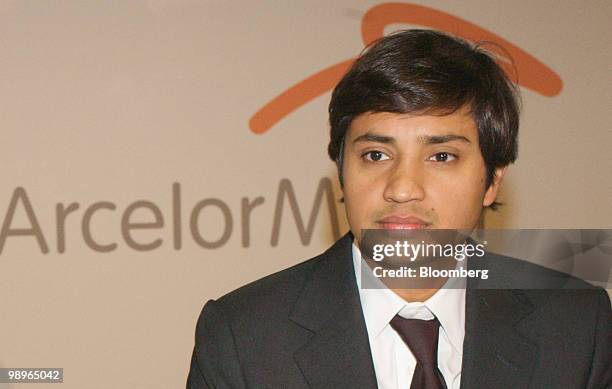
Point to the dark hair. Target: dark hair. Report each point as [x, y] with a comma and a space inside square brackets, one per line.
[429, 72]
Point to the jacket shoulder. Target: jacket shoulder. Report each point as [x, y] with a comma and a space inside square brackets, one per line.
[513, 273]
[278, 292]
[272, 289]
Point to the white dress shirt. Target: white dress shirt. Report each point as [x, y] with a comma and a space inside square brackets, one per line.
[394, 363]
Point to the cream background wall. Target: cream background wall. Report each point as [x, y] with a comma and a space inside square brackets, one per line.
[117, 102]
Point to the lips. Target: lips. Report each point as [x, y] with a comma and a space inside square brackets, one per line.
[402, 223]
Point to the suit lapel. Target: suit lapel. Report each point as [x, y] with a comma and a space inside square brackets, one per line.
[496, 353]
[338, 353]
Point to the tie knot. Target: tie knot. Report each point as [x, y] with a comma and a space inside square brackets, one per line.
[421, 337]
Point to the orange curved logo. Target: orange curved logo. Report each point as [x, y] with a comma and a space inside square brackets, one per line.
[534, 74]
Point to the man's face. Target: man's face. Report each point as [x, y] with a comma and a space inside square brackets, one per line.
[404, 171]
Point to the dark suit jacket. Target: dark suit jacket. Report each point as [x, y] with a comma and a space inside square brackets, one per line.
[304, 328]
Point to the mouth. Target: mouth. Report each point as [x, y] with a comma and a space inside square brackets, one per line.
[402, 223]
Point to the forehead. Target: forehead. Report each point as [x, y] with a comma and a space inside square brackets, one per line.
[411, 126]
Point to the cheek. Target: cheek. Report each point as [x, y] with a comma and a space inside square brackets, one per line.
[457, 201]
[457, 188]
[468, 182]
[357, 198]
[361, 199]
[358, 185]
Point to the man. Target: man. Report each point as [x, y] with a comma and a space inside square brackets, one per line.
[423, 127]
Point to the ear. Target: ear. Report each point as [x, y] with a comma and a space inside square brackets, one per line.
[491, 192]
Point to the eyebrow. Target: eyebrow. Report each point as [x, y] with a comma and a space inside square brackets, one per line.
[423, 139]
[437, 139]
[368, 137]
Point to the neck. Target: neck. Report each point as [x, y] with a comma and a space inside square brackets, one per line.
[415, 295]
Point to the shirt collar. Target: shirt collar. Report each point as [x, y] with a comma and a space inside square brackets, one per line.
[449, 307]
[381, 304]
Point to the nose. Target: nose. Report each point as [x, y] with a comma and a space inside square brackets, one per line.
[405, 184]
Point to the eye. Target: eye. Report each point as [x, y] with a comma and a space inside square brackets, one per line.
[375, 156]
[442, 157]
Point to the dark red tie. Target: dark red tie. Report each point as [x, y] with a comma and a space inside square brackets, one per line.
[421, 337]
